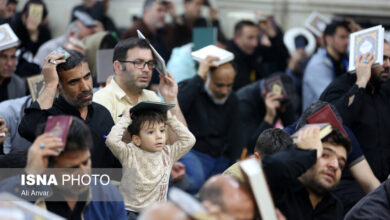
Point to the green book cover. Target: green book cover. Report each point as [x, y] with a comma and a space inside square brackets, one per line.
[204, 36]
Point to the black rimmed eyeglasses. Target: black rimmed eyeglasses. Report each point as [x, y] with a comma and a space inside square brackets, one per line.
[140, 64]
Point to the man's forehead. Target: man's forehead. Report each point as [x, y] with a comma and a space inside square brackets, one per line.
[140, 53]
[76, 72]
[386, 49]
[339, 150]
[249, 29]
[10, 51]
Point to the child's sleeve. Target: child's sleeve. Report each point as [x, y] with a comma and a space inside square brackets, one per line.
[186, 139]
[114, 139]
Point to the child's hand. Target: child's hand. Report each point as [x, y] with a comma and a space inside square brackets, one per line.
[126, 111]
[169, 114]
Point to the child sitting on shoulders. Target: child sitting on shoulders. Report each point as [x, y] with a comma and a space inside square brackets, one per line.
[149, 158]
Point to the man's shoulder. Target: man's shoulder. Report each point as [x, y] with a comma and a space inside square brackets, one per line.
[17, 80]
[319, 60]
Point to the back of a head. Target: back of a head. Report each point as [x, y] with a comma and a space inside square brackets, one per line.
[121, 48]
[240, 25]
[75, 59]
[272, 140]
[313, 108]
[79, 136]
[163, 211]
[331, 28]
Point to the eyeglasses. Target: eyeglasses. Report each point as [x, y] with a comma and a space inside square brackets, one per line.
[139, 64]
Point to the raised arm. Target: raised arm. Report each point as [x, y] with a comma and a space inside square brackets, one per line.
[186, 139]
[114, 139]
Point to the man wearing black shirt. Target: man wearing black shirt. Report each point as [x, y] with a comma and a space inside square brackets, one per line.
[73, 80]
[251, 60]
[362, 99]
[301, 178]
[211, 110]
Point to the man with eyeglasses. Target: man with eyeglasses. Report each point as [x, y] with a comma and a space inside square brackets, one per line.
[133, 63]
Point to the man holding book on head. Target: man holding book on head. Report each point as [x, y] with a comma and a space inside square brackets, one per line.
[362, 99]
[68, 74]
[301, 178]
[211, 110]
[11, 85]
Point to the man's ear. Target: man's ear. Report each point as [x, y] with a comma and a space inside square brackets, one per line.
[59, 87]
[327, 40]
[136, 140]
[117, 66]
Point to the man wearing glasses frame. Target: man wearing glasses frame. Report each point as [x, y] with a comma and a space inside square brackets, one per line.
[133, 64]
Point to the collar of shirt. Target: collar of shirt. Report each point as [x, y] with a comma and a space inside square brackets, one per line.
[64, 106]
[121, 95]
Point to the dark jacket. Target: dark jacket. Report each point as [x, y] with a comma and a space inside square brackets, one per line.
[290, 195]
[262, 63]
[253, 111]
[375, 205]
[368, 117]
[98, 120]
[216, 127]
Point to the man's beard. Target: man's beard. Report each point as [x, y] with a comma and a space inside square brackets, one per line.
[314, 185]
[217, 101]
[77, 102]
[375, 79]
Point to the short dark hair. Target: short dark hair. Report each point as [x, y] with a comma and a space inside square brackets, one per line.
[272, 140]
[76, 58]
[39, 2]
[79, 136]
[331, 28]
[241, 24]
[337, 138]
[145, 116]
[313, 108]
[12, 2]
[121, 48]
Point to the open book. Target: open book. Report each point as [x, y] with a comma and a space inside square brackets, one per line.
[316, 23]
[366, 41]
[211, 50]
[254, 174]
[8, 38]
[160, 67]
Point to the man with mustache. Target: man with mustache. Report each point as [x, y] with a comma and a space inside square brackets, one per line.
[362, 99]
[72, 79]
[301, 178]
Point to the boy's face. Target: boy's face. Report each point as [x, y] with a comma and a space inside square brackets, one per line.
[151, 137]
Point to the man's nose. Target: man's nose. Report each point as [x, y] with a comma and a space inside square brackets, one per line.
[334, 163]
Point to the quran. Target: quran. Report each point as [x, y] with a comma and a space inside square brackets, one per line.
[8, 38]
[366, 41]
[316, 23]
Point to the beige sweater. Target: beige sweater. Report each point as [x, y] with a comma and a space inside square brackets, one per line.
[146, 174]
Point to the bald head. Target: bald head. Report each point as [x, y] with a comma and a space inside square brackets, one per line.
[220, 83]
[163, 211]
[233, 197]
